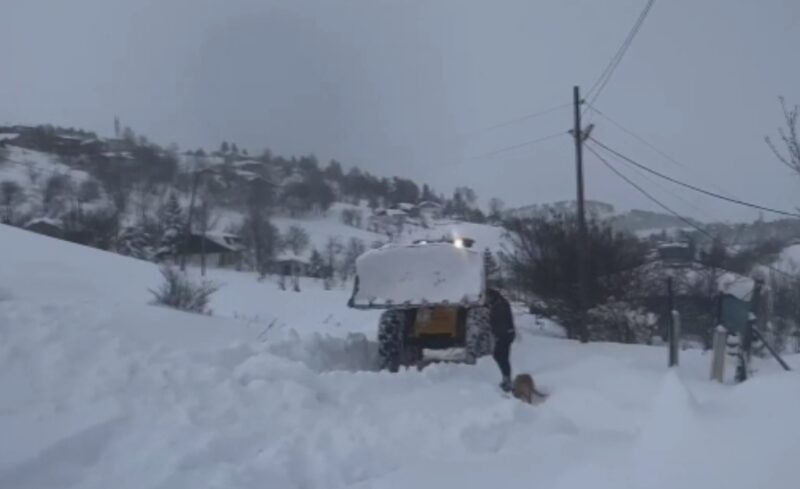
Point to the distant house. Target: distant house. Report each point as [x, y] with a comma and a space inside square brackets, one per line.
[429, 210]
[221, 250]
[93, 145]
[68, 144]
[118, 145]
[388, 220]
[675, 252]
[407, 207]
[46, 226]
[289, 264]
[7, 137]
[249, 165]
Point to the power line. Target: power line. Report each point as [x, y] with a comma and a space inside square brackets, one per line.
[668, 209]
[693, 187]
[663, 187]
[662, 153]
[520, 145]
[526, 117]
[647, 194]
[605, 76]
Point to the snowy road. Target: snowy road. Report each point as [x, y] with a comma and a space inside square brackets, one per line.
[101, 390]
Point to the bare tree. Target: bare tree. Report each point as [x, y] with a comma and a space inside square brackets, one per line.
[543, 261]
[355, 248]
[205, 219]
[352, 217]
[58, 188]
[260, 234]
[788, 138]
[333, 247]
[88, 191]
[496, 208]
[296, 239]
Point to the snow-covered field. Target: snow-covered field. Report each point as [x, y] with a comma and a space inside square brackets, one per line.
[100, 389]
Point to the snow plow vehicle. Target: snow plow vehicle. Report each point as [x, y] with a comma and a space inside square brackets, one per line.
[433, 297]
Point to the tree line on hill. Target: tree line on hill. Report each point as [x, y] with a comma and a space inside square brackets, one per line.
[130, 195]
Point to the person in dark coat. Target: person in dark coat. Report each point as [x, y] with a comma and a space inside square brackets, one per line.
[501, 320]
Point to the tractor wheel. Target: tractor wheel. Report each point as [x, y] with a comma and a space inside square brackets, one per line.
[390, 340]
[478, 334]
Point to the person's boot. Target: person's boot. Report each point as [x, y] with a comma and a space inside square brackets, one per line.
[505, 385]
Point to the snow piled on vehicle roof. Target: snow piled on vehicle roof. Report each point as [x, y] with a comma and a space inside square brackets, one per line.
[420, 274]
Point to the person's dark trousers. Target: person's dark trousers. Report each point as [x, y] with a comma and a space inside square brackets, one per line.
[502, 352]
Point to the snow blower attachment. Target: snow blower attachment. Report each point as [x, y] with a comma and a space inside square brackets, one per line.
[432, 294]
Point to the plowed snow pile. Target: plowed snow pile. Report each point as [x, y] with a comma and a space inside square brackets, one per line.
[98, 389]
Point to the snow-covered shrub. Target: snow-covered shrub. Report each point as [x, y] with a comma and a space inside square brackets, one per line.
[621, 322]
[179, 292]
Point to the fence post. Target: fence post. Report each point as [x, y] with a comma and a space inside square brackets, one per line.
[746, 345]
[674, 346]
[718, 354]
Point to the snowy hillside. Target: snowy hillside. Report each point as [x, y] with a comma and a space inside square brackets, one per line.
[330, 225]
[642, 223]
[30, 170]
[102, 390]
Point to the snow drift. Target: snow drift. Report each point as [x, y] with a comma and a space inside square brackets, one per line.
[101, 390]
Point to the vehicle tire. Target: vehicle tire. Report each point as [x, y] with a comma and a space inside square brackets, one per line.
[478, 332]
[390, 340]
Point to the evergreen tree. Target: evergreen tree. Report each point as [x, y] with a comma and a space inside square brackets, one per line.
[224, 147]
[170, 218]
[334, 171]
[296, 239]
[134, 241]
[428, 195]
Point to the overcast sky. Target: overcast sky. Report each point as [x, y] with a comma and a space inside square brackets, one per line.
[408, 87]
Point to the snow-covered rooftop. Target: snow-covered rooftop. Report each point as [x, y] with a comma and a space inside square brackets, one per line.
[44, 220]
[227, 240]
[289, 255]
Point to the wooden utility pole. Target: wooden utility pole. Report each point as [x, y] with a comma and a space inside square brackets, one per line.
[583, 248]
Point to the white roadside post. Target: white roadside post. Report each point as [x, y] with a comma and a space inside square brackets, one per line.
[718, 354]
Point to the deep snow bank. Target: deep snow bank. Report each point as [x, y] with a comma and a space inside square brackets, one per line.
[101, 390]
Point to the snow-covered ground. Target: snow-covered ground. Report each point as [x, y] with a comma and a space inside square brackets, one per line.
[100, 389]
[789, 259]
